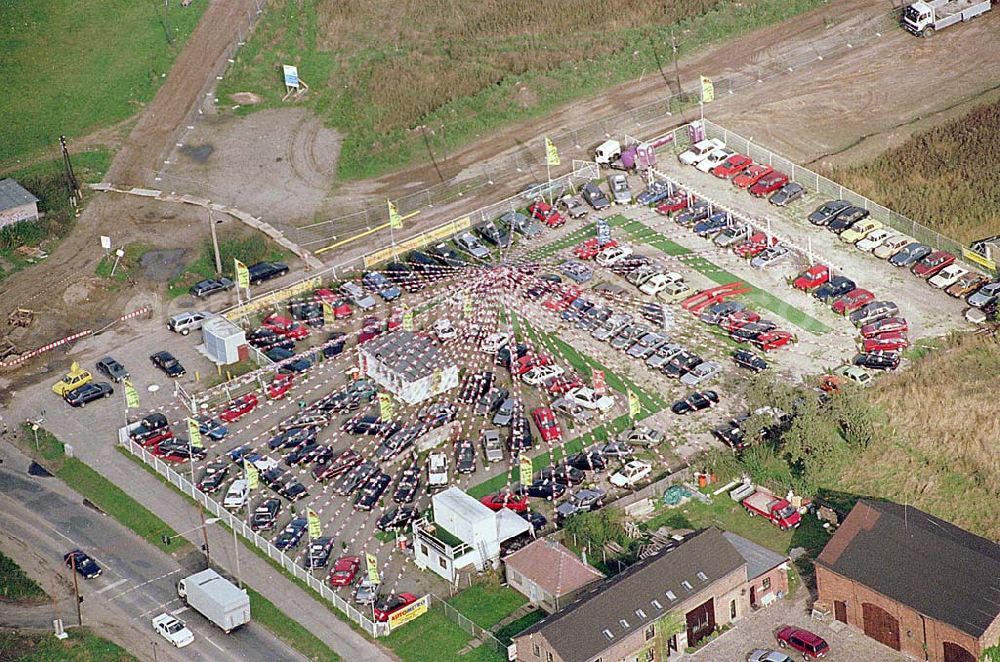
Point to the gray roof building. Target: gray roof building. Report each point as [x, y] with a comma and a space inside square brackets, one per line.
[409, 355]
[14, 195]
[759, 559]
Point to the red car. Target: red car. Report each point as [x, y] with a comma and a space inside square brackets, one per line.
[752, 175]
[341, 309]
[285, 327]
[886, 325]
[673, 204]
[885, 342]
[392, 603]
[395, 320]
[809, 644]
[344, 570]
[547, 214]
[515, 502]
[562, 383]
[547, 425]
[529, 361]
[852, 301]
[370, 327]
[755, 245]
[812, 278]
[239, 408]
[773, 339]
[589, 249]
[560, 302]
[733, 165]
[154, 440]
[735, 320]
[932, 264]
[280, 385]
[768, 184]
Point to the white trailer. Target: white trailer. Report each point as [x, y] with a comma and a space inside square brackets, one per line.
[927, 16]
[216, 598]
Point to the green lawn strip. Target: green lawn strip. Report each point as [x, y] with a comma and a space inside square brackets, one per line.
[82, 645]
[287, 629]
[640, 232]
[15, 585]
[487, 605]
[512, 629]
[573, 238]
[434, 637]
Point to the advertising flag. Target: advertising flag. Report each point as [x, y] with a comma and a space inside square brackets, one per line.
[634, 407]
[526, 470]
[408, 320]
[707, 90]
[315, 526]
[327, 314]
[551, 153]
[372, 564]
[131, 395]
[436, 377]
[385, 407]
[252, 475]
[242, 275]
[599, 384]
[395, 220]
[467, 306]
[194, 433]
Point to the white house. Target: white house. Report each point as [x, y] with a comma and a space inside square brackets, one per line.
[408, 365]
[464, 533]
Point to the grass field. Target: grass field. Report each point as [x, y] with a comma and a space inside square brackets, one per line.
[380, 69]
[82, 645]
[487, 605]
[15, 586]
[71, 67]
[945, 178]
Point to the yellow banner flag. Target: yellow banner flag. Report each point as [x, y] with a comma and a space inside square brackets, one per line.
[252, 475]
[242, 275]
[395, 220]
[707, 90]
[408, 320]
[327, 314]
[131, 395]
[551, 153]
[634, 406]
[385, 407]
[436, 378]
[467, 306]
[194, 433]
[315, 526]
[526, 470]
[372, 564]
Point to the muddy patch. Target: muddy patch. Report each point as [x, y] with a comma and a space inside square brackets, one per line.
[162, 265]
[246, 98]
[198, 153]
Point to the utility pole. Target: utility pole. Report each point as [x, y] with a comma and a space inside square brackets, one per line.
[215, 241]
[677, 72]
[76, 591]
[71, 183]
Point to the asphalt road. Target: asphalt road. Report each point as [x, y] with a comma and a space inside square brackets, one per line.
[45, 520]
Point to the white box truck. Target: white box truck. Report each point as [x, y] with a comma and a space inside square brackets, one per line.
[216, 598]
[926, 17]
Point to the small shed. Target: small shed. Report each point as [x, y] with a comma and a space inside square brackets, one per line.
[225, 343]
[548, 574]
[16, 203]
[409, 365]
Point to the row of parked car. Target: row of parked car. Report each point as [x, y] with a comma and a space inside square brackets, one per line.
[712, 156]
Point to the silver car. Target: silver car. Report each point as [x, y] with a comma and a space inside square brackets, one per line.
[574, 206]
[358, 295]
[492, 447]
[468, 243]
[615, 323]
[701, 372]
[517, 222]
[366, 592]
[620, 192]
[988, 293]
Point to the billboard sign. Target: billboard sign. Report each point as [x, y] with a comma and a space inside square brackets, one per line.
[409, 612]
[291, 74]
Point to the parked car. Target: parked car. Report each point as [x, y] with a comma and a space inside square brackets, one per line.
[546, 214]
[631, 474]
[803, 641]
[373, 489]
[744, 358]
[701, 372]
[613, 255]
[471, 245]
[811, 278]
[494, 234]
[89, 392]
[859, 231]
[318, 552]
[768, 184]
[446, 256]
[966, 284]
[594, 196]
[577, 271]
[523, 225]
[853, 300]
[505, 499]
[573, 205]
[345, 569]
[381, 285]
[891, 245]
[715, 157]
[396, 519]
[562, 473]
[932, 264]
[751, 175]
[910, 254]
[771, 255]
[542, 489]
[878, 360]
[695, 402]
[699, 151]
[847, 218]
[547, 425]
[584, 500]
[827, 211]
[985, 295]
[731, 166]
[185, 323]
[641, 435]
[947, 277]
[84, 565]
[236, 495]
[210, 286]
[390, 604]
[465, 456]
[654, 193]
[285, 327]
[166, 362]
[264, 271]
[874, 239]
[620, 191]
[836, 287]
[884, 325]
[787, 194]
[265, 515]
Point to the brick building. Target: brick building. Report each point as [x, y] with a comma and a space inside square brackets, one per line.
[913, 582]
[660, 605]
[16, 203]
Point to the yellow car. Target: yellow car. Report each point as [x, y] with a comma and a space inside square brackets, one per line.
[674, 292]
[75, 378]
[859, 231]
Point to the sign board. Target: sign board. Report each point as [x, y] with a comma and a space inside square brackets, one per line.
[291, 74]
[372, 563]
[419, 241]
[603, 232]
[979, 258]
[106, 243]
[409, 612]
[600, 386]
[276, 297]
[525, 469]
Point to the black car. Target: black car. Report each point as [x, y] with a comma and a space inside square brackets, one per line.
[681, 364]
[537, 520]
[447, 256]
[828, 211]
[180, 449]
[355, 477]
[836, 287]
[292, 534]
[504, 354]
[695, 402]
[543, 489]
[520, 437]
[475, 386]
[730, 434]
[111, 368]
[292, 438]
[562, 473]
[372, 491]
[274, 476]
[214, 476]
[265, 515]
[210, 286]
[318, 554]
[465, 456]
[86, 566]
[407, 485]
[699, 212]
[489, 403]
[304, 453]
[494, 234]
[337, 464]
[166, 362]
[309, 312]
[594, 196]
[847, 218]
[293, 490]
[719, 311]
[266, 271]
[334, 345]
[423, 263]
[396, 519]
[788, 193]
[399, 441]
[910, 255]
[81, 395]
[751, 331]
[589, 461]
[266, 339]
[403, 276]
[363, 424]
[878, 360]
[437, 414]
[744, 358]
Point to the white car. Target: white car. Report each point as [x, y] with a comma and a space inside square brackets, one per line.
[770, 255]
[633, 472]
[767, 656]
[613, 255]
[874, 239]
[590, 399]
[698, 151]
[492, 343]
[264, 463]
[357, 294]
[659, 282]
[947, 276]
[173, 630]
[541, 374]
[571, 410]
[714, 158]
[701, 372]
[891, 246]
[444, 330]
[236, 496]
[437, 470]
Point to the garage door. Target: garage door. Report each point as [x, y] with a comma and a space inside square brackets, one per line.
[880, 625]
[956, 653]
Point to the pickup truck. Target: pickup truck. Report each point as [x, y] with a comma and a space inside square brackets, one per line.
[778, 511]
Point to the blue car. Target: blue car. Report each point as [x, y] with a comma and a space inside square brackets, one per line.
[381, 285]
[712, 224]
[239, 453]
[654, 193]
[576, 270]
[214, 429]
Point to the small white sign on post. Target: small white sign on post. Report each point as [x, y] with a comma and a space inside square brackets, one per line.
[105, 243]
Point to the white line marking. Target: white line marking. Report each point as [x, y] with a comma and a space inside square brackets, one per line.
[215, 644]
[111, 586]
[178, 611]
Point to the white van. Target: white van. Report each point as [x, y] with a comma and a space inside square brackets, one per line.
[608, 152]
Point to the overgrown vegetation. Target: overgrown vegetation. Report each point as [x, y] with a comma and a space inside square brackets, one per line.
[81, 646]
[413, 77]
[248, 249]
[945, 178]
[15, 585]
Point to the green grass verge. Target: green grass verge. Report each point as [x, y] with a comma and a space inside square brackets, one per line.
[82, 65]
[487, 605]
[82, 645]
[434, 637]
[15, 585]
[514, 628]
[287, 629]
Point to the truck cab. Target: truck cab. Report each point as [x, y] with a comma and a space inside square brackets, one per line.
[924, 17]
[607, 152]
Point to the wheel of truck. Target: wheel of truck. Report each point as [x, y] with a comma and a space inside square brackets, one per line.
[928, 32]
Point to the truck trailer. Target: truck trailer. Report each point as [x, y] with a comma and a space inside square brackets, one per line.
[216, 598]
[924, 18]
